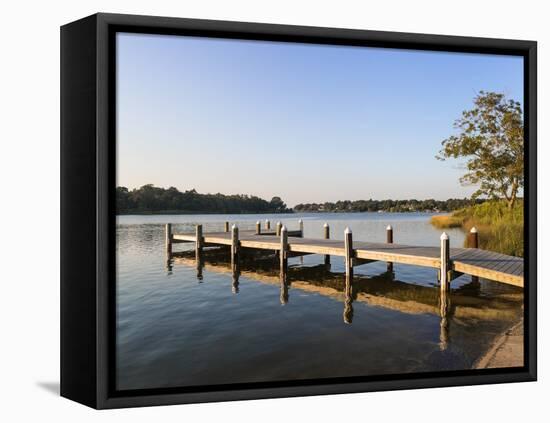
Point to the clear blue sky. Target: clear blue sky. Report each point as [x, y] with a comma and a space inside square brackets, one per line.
[309, 123]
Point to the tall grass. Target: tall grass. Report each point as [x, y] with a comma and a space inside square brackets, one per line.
[447, 221]
[500, 229]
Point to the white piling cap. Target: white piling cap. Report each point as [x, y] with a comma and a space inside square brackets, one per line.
[233, 226]
[473, 230]
[266, 221]
[444, 236]
[388, 228]
[279, 223]
[300, 221]
[283, 229]
[348, 230]
[258, 222]
[325, 225]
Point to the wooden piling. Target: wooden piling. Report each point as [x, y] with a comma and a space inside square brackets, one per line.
[326, 235]
[389, 240]
[226, 227]
[234, 247]
[267, 224]
[198, 242]
[301, 225]
[389, 234]
[473, 242]
[168, 238]
[348, 291]
[444, 298]
[445, 262]
[258, 228]
[473, 239]
[278, 233]
[283, 253]
[198, 251]
[348, 248]
[444, 280]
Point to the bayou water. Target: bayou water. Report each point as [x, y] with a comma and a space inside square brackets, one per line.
[179, 327]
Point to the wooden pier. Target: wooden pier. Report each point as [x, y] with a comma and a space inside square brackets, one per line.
[450, 262]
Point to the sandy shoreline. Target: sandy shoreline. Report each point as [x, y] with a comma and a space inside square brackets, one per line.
[506, 351]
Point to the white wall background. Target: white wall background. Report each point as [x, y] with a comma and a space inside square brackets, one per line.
[29, 240]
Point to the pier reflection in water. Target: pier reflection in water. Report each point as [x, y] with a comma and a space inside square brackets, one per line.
[381, 290]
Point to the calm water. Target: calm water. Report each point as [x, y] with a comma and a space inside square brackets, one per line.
[177, 329]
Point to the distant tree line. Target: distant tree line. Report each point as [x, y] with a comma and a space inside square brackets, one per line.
[151, 199]
[388, 205]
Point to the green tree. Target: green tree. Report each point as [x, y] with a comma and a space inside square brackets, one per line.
[151, 199]
[277, 204]
[491, 139]
[123, 201]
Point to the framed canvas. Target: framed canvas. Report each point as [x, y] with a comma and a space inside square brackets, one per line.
[255, 210]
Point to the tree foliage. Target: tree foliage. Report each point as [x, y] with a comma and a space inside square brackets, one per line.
[151, 199]
[491, 139]
[348, 206]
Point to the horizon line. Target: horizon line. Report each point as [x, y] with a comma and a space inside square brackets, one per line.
[303, 202]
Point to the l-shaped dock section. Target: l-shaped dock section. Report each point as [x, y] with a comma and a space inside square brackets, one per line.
[451, 262]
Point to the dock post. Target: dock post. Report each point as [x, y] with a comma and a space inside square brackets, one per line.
[168, 245]
[389, 240]
[444, 281]
[473, 242]
[226, 227]
[348, 292]
[198, 251]
[198, 241]
[278, 227]
[445, 265]
[267, 224]
[326, 230]
[473, 238]
[348, 245]
[283, 256]
[168, 239]
[301, 225]
[234, 247]
[258, 228]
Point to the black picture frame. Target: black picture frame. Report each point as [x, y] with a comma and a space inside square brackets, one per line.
[88, 218]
